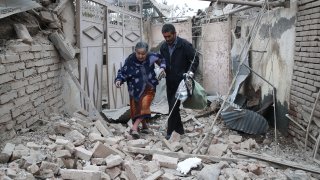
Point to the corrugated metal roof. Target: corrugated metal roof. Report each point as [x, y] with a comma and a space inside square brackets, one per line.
[245, 121]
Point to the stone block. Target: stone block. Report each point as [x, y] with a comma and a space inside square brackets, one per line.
[36, 47]
[75, 137]
[48, 165]
[62, 128]
[19, 75]
[101, 151]
[235, 138]
[94, 137]
[23, 117]
[6, 152]
[133, 170]
[102, 129]
[70, 147]
[11, 58]
[68, 163]
[138, 143]
[35, 79]
[82, 153]
[42, 69]
[5, 109]
[5, 88]
[95, 168]
[19, 84]
[4, 98]
[26, 56]
[113, 172]
[5, 118]
[254, 168]
[175, 137]
[2, 69]
[113, 160]
[15, 67]
[21, 47]
[38, 101]
[113, 140]
[165, 161]
[33, 145]
[80, 174]
[32, 88]
[29, 72]
[151, 166]
[22, 100]
[61, 141]
[6, 77]
[62, 154]
[217, 149]
[33, 169]
[98, 161]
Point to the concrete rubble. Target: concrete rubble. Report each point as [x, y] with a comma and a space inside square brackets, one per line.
[74, 148]
[84, 147]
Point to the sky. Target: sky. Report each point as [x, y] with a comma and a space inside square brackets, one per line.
[194, 4]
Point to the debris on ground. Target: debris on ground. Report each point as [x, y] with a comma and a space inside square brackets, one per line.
[76, 148]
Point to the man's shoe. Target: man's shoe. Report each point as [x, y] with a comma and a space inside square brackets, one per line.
[168, 137]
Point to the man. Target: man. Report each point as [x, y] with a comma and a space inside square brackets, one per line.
[180, 58]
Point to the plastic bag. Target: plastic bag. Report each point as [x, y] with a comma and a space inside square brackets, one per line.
[198, 99]
[182, 92]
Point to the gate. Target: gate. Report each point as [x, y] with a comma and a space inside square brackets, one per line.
[90, 38]
[104, 26]
[123, 32]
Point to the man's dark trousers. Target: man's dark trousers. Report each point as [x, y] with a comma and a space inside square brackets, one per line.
[174, 121]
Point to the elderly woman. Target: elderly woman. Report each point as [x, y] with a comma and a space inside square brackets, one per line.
[138, 72]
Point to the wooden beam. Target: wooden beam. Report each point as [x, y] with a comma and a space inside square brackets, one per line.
[278, 161]
[249, 3]
[180, 155]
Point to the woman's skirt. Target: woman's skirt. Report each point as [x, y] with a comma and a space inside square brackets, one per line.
[141, 108]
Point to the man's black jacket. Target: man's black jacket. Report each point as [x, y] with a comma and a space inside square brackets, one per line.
[180, 60]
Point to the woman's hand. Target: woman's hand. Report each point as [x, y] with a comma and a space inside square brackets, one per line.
[118, 84]
[162, 74]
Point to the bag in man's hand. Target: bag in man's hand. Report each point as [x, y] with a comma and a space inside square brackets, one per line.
[198, 99]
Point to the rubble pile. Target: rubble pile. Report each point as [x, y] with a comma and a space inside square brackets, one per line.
[82, 147]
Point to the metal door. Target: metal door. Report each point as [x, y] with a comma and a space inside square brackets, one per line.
[90, 26]
[124, 30]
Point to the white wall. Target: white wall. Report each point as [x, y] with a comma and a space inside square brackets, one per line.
[272, 55]
[272, 51]
[183, 29]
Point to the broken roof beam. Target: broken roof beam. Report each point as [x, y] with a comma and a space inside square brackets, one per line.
[8, 8]
[251, 3]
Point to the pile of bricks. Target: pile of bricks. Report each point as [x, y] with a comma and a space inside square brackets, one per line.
[306, 75]
[82, 147]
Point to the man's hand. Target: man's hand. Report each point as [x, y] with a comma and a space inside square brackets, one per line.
[162, 74]
[189, 74]
[118, 84]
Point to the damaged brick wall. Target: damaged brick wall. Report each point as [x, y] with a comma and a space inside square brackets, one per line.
[306, 72]
[30, 84]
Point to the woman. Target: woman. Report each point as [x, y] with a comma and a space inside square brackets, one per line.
[138, 72]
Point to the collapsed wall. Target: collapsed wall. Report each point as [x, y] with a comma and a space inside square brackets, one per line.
[30, 84]
[306, 74]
